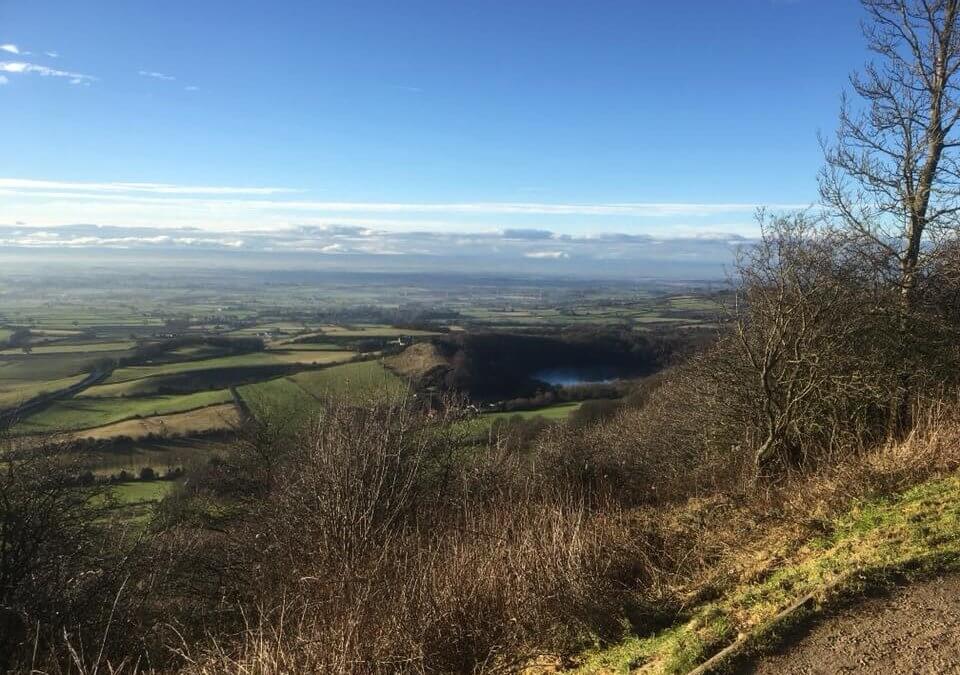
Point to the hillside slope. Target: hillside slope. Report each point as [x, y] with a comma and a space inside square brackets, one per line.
[876, 544]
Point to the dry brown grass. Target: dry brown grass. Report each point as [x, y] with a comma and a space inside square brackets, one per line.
[373, 540]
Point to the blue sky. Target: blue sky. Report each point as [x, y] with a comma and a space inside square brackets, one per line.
[580, 118]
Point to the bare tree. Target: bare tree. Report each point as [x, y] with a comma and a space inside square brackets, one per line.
[892, 174]
[799, 356]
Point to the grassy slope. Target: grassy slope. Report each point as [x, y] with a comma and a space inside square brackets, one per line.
[277, 397]
[298, 394]
[912, 533]
[354, 380]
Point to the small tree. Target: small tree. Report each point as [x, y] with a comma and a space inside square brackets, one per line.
[892, 175]
[805, 354]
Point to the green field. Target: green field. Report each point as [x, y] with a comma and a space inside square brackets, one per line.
[220, 417]
[75, 414]
[73, 348]
[372, 331]
[355, 381]
[141, 491]
[305, 346]
[43, 366]
[189, 381]
[558, 411]
[14, 392]
[279, 397]
[241, 360]
[299, 394]
[136, 500]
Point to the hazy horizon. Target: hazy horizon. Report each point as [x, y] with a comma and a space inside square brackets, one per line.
[541, 138]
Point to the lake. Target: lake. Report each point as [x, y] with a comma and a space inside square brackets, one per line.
[568, 376]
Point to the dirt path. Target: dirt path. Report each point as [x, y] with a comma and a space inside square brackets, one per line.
[914, 630]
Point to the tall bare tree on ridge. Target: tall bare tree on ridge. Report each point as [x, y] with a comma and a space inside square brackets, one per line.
[892, 174]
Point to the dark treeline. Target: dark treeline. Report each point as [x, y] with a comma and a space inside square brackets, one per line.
[501, 365]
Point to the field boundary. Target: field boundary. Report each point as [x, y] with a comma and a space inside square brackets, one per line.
[38, 403]
[140, 417]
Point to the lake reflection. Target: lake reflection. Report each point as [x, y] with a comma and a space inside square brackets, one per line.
[574, 375]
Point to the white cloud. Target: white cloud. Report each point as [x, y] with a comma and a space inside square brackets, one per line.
[608, 255]
[518, 209]
[3, 79]
[640, 209]
[157, 76]
[53, 55]
[545, 229]
[10, 49]
[547, 255]
[29, 185]
[192, 88]
[22, 67]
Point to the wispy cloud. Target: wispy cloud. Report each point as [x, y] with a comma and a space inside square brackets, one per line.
[549, 232]
[157, 76]
[53, 55]
[191, 87]
[28, 184]
[611, 255]
[547, 255]
[23, 68]
[10, 48]
[408, 88]
[521, 209]
[4, 80]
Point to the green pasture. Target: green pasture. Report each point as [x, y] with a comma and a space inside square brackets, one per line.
[371, 331]
[88, 413]
[241, 360]
[141, 491]
[72, 348]
[280, 397]
[14, 392]
[355, 381]
[45, 366]
[557, 411]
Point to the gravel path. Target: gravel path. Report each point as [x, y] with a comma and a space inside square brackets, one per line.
[914, 630]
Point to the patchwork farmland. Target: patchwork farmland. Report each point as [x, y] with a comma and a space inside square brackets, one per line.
[157, 380]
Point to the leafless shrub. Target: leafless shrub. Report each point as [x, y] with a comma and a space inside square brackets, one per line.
[383, 544]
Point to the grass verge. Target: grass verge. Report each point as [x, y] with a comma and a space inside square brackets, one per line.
[874, 544]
